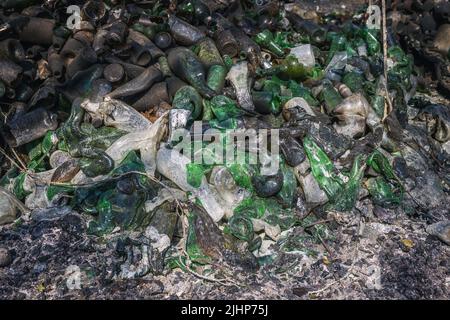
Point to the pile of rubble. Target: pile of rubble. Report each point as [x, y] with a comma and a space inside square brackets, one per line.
[233, 149]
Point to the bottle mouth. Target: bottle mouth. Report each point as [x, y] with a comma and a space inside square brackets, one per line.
[243, 55]
[114, 72]
[31, 53]
[143, 57]
[16, 50]
[266, 56]
[94, 10]
[164, 40]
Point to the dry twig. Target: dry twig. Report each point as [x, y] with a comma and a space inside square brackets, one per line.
[388, 107]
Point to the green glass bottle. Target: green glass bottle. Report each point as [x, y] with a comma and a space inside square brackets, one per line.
[207, 111]
[289, 68]
[338, 43]
[216, 77]
[149, 31]
[189, 99]
[207, 53]
[265, 39]
[228, 61]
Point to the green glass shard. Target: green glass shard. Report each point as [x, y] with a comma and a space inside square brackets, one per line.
[378, 162]
[195, 174]
[371, 38]
[193, 249]
[228, 61]
[104, 223]
[403, 67]
[207, 112]
[241, 174]
[330, 96]
[338, 43]
[287, 192]
[223, 108]
[299, 91]
[342, 195]
[346, 199]
[322, 168]
[224, 124]
[253, 207]
[386, 190]
[383, 193]
[281, 38]
[53, 190]
[131, 162]
[241, 227]
[353, 80]
[18, 188]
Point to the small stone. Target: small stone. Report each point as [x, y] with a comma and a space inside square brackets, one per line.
[440, 230]
[408, 243]
[441, 41]
[40, 287]
[313, 193]
[5, 257]
[8, 210]
[303, 167]
[301, 291]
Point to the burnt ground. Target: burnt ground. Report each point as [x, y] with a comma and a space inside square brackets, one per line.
[376, 254]
[326, 6]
